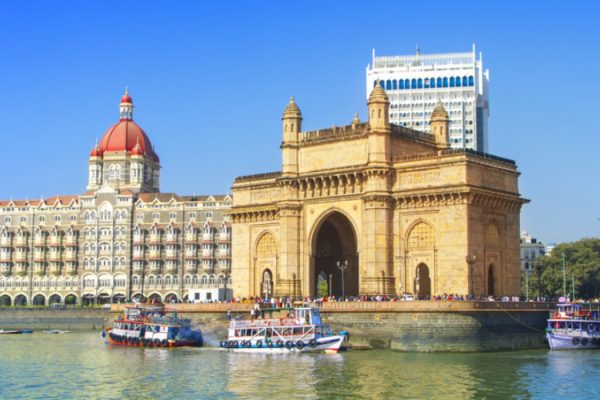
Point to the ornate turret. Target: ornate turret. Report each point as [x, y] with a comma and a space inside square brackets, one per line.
[292, 121]
[126, 106]
[438, 124]
[379, 104]
[292, 125]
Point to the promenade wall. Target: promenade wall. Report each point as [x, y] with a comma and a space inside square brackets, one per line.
[421, 326]
[49, 318]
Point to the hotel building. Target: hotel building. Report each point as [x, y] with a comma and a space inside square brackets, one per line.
[416, 83]
[121, 239]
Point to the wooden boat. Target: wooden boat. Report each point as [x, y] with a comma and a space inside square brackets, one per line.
[10, 332]
[574, 326]
[300, 331]
[151, 325]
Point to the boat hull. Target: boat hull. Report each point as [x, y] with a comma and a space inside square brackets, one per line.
[559, 341]
[161, 344]
[330, 344]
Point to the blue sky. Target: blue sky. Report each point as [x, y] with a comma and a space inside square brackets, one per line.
[210, 80]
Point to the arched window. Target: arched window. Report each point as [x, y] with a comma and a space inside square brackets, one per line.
[388, 85]
[204, 280]
[457, 81]
[266, 246]
[395, 84]
[465, 81]
[492, 236]
[445, 82]
[471, 81]
[451, 81]
[420, 83]
[413, 84]
[211, 280]
[421, 237]
[401, 84]
[381, 84]
[426, 83]
[432, 82]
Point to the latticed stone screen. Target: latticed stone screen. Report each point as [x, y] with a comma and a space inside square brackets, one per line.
[421, 237]
[267, 247]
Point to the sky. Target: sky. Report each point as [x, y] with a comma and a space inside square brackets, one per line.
[210, 80]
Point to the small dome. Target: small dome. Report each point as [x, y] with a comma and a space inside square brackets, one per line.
[378, 95]
[439, 111]
[96, 152]
[126, 98]
[137, 150]
[292, 110]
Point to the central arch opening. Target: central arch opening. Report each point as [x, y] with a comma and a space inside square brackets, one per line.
[335, 258]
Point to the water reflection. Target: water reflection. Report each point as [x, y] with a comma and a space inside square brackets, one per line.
[79, 365]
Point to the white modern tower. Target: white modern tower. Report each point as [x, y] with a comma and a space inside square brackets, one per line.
[415, 84]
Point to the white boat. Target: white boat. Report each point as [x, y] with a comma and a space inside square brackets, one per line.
[301, 331]
[56, 331]
[574, 326]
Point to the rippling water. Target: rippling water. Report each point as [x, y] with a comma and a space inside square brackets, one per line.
[80, 365]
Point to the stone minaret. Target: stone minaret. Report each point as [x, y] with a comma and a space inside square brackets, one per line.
[292, 126]
[438, 124]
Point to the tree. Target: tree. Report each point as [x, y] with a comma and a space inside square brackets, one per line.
[582, 265]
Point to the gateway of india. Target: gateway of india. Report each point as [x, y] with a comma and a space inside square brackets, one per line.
[376, 208]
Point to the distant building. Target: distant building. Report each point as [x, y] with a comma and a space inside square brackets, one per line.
[120, 239]
[531, 250]
[416, 83]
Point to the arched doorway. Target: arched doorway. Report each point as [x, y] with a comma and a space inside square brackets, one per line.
[71, 299]
[118, 298]
[87, 299]
[171, 298]
[267, 284]
[5, 300]
[423, 282]
[21, 300]
[103, 298]
[155, 298]
[335, 256]
[490, 281]
[39, 300]
[55, 298]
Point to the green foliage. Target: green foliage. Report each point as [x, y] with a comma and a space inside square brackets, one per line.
[323, 288]
[582, 265]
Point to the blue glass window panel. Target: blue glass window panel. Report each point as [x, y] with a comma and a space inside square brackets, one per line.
[445, 82]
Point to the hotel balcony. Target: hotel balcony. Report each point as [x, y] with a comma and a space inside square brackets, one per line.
[5, 243]
[39, 243]
[207, 238]
[155, 267]
[137, 267]
[191, 239]
[207, 255]
[5, 269]
[70, 256]
[208, 268]
[171, 238]
[21, 270]
[21, 256]
[21, 242]
[39, 257]
[70, 241]
[39, 269]
[191, 255]
[138, 239]
[55, 269]
[154, 239]
[171, 269]
[54, 243]
[191, 268]
[5, 257]
[71, 269]
[224, 238]
[138, 256]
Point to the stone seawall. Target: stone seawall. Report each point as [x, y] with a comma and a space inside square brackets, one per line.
[405, 326]
[47, 318]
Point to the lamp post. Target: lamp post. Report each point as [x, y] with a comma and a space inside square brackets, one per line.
[470, 261]
[564, 276]
[342, 267]
[330, 276]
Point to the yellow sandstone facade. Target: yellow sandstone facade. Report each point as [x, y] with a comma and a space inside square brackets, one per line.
[376, 208]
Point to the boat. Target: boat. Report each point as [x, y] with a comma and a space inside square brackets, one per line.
[574, 326]
[151, 325]
[300, 331]
[10, 332]
[56, 331]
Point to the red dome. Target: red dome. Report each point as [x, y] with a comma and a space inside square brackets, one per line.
[126, 98]
[123, 136]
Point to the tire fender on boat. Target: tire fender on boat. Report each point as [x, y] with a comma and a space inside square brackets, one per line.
[575, 341]
[312, 343]
[280, 343]
[300, 344]
[289, 344]
[156, 342]
[164, 343]
[259, 343]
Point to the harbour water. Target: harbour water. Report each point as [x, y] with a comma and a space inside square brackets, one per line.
[79, 365]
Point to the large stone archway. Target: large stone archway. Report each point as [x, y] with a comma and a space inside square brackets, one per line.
[335, 257]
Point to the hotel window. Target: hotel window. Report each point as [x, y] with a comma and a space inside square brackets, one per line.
[57, 218]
